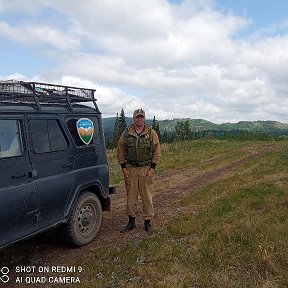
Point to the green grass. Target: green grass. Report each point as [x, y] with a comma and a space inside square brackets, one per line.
[232, 233]
[182, 154]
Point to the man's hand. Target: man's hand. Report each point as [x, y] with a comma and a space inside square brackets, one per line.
[150, 172]
[125, 172]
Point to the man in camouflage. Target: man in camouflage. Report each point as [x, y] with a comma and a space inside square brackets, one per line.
[138, 153]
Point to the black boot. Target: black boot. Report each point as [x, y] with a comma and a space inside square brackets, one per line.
[131, 225]
[147, 225]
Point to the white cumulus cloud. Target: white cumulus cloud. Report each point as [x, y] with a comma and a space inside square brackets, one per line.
[173, 60]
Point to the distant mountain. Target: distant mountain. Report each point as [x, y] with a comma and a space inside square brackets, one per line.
[255, 125]
[201, 124]
[195, 124]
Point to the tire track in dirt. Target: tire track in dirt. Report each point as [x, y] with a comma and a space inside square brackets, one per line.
[48, 250]
[165, 202]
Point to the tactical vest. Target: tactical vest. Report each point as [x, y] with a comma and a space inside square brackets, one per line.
[138, 151]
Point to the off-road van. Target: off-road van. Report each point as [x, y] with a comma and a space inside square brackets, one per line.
[53, 163]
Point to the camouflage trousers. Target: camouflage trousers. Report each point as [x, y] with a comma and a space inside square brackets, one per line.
[139, 184]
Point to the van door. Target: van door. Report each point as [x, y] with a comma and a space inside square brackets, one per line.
[18, 193]
[52, 163]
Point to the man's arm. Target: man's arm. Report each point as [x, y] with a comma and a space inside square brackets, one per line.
[121, 151]
[121, 155]
[156, 152]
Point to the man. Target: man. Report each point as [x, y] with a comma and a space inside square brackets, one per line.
[138, 153]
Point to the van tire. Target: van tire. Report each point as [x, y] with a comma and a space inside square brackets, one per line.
[85, 220]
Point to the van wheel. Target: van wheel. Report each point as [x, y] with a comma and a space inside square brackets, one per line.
[85, 220]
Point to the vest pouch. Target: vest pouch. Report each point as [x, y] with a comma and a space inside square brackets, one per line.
[130, 150]
[144, 150]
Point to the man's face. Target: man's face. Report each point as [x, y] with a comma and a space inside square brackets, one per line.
[139, 120]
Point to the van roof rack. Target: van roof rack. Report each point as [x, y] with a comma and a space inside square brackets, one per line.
[14, 91]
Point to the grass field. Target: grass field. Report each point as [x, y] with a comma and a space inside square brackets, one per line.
[232, 232]
[221, 221]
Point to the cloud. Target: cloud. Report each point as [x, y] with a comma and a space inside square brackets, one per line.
[27, 6]
[174, 60]
[38, 35]
[15, 76]
[106, 96]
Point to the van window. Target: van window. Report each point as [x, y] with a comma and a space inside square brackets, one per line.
[10, 138]
[47, 136]
[71, 123]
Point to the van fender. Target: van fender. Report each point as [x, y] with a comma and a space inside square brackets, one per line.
[94, 187]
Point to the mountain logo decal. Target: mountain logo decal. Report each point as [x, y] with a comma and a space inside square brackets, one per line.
[85, 129]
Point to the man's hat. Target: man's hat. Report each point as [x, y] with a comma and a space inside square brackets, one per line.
[139, 112]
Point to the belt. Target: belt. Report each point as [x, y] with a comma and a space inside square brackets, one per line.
[139, 164]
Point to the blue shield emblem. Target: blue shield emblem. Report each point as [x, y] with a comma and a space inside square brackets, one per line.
[85, 129]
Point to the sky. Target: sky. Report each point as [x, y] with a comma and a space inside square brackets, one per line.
[218, 60]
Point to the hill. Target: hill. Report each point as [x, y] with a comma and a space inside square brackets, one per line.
[201, 125]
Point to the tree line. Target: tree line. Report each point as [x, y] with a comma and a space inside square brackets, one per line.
[183, 132]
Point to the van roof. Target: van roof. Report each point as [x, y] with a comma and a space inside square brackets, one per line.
[8, 108]
[22, 95]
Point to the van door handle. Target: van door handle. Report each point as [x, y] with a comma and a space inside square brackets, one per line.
[67, 165]
[32, 173]
[19, 175]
